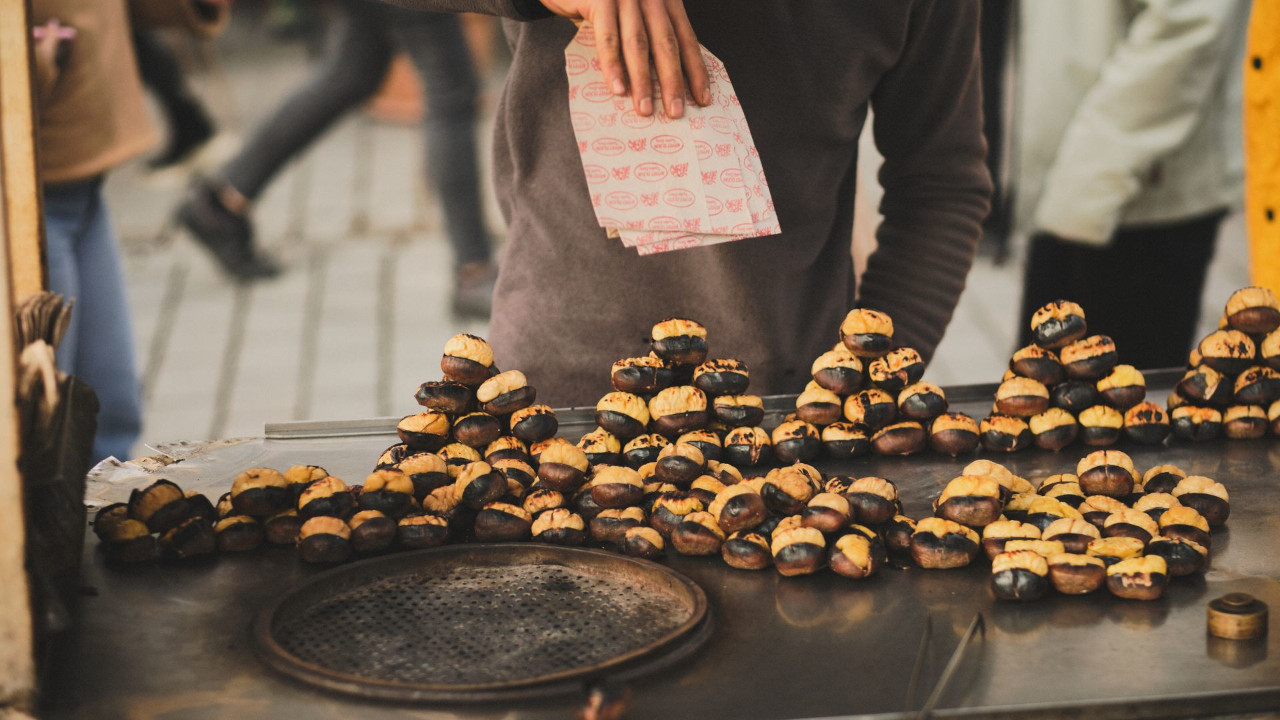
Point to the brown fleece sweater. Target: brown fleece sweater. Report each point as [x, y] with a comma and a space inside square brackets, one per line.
[570, 301]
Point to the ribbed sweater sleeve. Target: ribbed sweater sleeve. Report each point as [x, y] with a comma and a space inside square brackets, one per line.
[514, 9]
[928, 126]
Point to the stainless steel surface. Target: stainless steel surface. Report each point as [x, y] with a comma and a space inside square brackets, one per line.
[173, 642]
[471, 623]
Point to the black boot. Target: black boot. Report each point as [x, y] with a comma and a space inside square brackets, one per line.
[225, 234]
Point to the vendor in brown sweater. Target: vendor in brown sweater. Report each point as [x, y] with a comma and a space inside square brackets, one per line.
[569, 300]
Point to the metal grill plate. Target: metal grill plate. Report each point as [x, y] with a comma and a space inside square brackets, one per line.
[482, 622]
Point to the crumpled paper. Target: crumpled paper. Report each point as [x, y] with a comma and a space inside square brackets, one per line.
[662, 184]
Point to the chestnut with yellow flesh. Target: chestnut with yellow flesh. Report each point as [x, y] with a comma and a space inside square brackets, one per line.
[746, 550]
[1010, 483]
[445, 396]
[1162, 478]
[1018, 505]
[1074, 534]
[1245, 422]
[1138, 578]
[1074, 396]
[457, 456]
[643, 542]
[1021, 397]
[1053, 429]
[1258, 385]
[872, 500]
[1123, 387]
[1155, 504]
[670, 508]
[997, 534]
[110, 518]
[1004, 433]
[1076, 574]
[541, 498]
[238, 533]
[1057, 324]
[1146, 423]
[1181, 556]
[324, 539]
[940, 544]
[1204, 385]
[1269, 350]
[827, 512]
[901, 438]
[1038, 364]
[612, 524]
[392, 456]
[677, 410]
[787, 491]
[298, 477]
[855, 556]
[327, 496]
[896, 370]
[371, 531]
[1111, 550]
[506, 447]
[534, 423]
[1196, 424]
[162, 504]
[623, 414]
[1253, 310]
[639, 375]
[422, 531]
[601, 447]
[387, 491]
[679, 463]
[722, 376]
[705, 487]
[1106, 472]
[798, 551]
[502, 522]
[125, 540]
[1100, 425]
[1089, 358]
[643, 449]
[697, 534]
[1185, 522]
[844, 441]
[1044, 511]
[1097, 508]
[839, 371]
[1130, 523]
[737, 508]
[1043, 548]
[563, 467]
[467, 360]
[583, 504]
[424, 432]
[191, 538]
[1067, 491]
[1207, 497]
[282, 528]
[705, 440]
[477, 429]
[724, 472]
[796, 441]
[738, 410]
[922, 401]
[972, 500]
[867, 333]
[872, 409]
[897, 539]
[819, 406]
[1230, 352]
[258, 492]
[680, 340]
[1019, 575]
[953, 434]
[614, 486]
[559, 527]
[427, 471]
[505, 393]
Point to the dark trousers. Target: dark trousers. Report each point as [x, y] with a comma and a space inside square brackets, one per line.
[351, 71]
[1143, 290]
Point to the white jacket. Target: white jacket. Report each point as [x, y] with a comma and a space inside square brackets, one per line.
[1129, 113]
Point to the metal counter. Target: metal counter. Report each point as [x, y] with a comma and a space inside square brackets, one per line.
[172, 641]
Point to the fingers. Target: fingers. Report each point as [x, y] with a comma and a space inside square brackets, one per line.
[605, 23]
[695, 69]
[665, 49]
[635, 53]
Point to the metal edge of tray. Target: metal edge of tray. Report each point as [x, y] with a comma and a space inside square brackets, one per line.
[677, 645]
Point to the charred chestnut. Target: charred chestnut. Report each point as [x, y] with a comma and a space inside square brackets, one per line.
[1196, 424]
[746, 550]
[1074, 396]
[392, 456]
[623, 414]
[737, 508]
[922, 401]
[1202, 384]
[839, 371]
[478, 485]
[953, 434]
[1058, 324]
[1258, 385]
[1230, 352]
[467, 359]
[1130, 523]
[796, 441]
[190, 538]
[677, 410]
[1053, 429]
[1111, 550]
[738, 410]
[125, 540]
[638, 375]
[371, 531]
[327, 496]
[1020, 575]
[1123, 387]
[1021, 397]
[706, 441]
[1245, 422]
[559, 527]
[1207, 497]
[722, 376]
[679, 463]
[298, 477]
[1141, 578]
[798, 551]
[505, 393]
[873, 500]
[680, 340]
[897, 539]
[643, 542]
[867, 333]
[601, 447]
[1106, 472]
[872, 409]
[670, 508]
[534, 423]
[1146, 423]
[1004, 433]
[1181, 556]
[818, 406]
[1162, 478]
[644, 449]
[387, 491]
[422, 531]
[748, 446]
[997, 534]
[258, 492]
[855, 556]
[445, 396]
[424, 432]
[787, 491]
[897, 369]
[972, 500]
[502, 522]
[827, 512]
[1090, 358]
[324, 539]
[940, 544]
[476, 430]
[612, 524]
[1253, 310]
[697, 534]
[1076, 574]
[614, 486]
[1185, 522]
[563, 467]
[162, 504]
[1038, 364]
[1100, 425]
[282, 528]
[238, 533]
[901, 438]
[427, 471]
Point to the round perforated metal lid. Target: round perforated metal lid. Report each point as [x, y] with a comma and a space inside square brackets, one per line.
[481, 622]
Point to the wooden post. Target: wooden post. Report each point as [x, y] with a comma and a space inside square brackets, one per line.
[21, 273]
[23, 219]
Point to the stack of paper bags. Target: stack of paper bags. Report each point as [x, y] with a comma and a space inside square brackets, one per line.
[659, 183]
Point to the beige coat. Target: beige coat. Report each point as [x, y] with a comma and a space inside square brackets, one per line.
[1129, 113]
[92, 115]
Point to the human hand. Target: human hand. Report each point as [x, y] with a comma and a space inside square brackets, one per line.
[630, 34]
[50, 43]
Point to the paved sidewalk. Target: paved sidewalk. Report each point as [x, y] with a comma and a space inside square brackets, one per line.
[358, 319]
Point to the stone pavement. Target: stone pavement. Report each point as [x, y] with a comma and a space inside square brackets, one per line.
[359, 318]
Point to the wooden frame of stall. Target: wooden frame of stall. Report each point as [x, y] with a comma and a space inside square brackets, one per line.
[22, 265]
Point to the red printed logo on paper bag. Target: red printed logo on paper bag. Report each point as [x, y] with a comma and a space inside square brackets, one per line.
[595, 173]
[667, 144]
[717, 123]
[620, 200]
[597, 92]
[650, 172]
[664, 222]
[703, 149]
[714, 206]
[609, 146]
[731, 177]
[582, 121]
[679, 197]
[636, 122]
[575, 64]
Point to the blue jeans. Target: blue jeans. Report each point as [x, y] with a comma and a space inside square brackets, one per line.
[98, 348]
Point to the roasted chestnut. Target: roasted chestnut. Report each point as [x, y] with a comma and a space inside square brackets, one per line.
[1253, 310]
[1123, 387]
[746, 550]
[125, 540]
[478, 485]
[679, 463]
[1076, 574]
[1245, 422]
[873, 500]
[697, 534]
[298, 477]
[1090, 358]
[1230, 352]
[424, 432]
[612, 524]
[872, 409]
[467, 359]
[1196, 424]
[828, 512]
[997, 534]
[443, 501]
[601, 447]
[1136, 578]
[1074, 396]
[1162, 478]
[457, 456]
[256, 491]
[427, 471]
[389, 492]
[615, 486]
[1019, 505]
[1202, 384]
[953, 434]
[819, 406]
[623, 414]
[477, 429]
[1106, 472]
[748, 446]
[502, 522]
[1258, 385]
[505, 393]
[795, 441]
[738, 410]
[643, 449]
[853, 555]
[1207, 497]
[867, 333]
[798, 551]
[371, 531]
[670, 508]
[901, 438]
[737, 508]
[897, 539]
[444, 396]
[1010, 483]
[787, 491]
[922, 401]
[559, 527]
[972, 500]
[324, 539]
[1100, 425]
[897, 369]
[638, 375]
[327, 496]
[422, 531]
[643, 542]
[1021, 397]
[562, 467]
[162, 504]
[1053, 429]
[238, 533]
[1019, 575]
[1185, 522]
[1044, 511]
[282, 528]
[1181, 556]
[1111, 550]
[1269, 350]
[1004, 433]
[1058, 324]
[843, 441]
[1038, 364]
[534, 423]
[1146, 423]
[506, 447]
[680, 340]
[392, 455]
[1068, 492]
[193, 537]
[722, 376]
[940, 544]
[839, 371]
[677, 410]
[1097, 508]
[1130, 523]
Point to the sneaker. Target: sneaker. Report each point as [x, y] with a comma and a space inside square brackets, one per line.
[189, 130]
[473, 290]
[225, 234]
